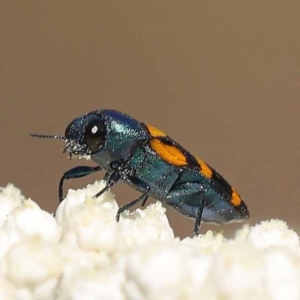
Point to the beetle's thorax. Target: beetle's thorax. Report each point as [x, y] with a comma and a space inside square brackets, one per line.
[123, 135]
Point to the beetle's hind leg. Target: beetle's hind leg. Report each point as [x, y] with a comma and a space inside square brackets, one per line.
[198, 219]
[188, 199]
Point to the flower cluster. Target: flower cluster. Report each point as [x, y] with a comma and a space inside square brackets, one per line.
[83, 253]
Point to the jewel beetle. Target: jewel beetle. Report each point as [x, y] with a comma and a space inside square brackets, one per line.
[153, 163]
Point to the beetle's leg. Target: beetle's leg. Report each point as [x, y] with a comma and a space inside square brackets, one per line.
[145, 200]
[76, 172]
[106, 176]
[121, 170]
[111, 179]
[143, 197]
[198, 219]
[191, 210]
[189, 199]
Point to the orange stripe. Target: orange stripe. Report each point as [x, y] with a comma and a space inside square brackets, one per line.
[170, 154]
[235, 198]
[154, 132]
[205, 169]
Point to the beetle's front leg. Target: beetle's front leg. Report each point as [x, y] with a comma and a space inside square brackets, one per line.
[76, 172]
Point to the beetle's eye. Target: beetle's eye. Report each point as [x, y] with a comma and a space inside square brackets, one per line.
[94, 133]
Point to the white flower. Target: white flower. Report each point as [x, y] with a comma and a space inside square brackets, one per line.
[10, 197]
[83, 253]
[274, 233]
[35, 266]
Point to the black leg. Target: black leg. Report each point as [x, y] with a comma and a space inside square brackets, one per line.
[106, 176]
[121, 170]
[76, 172]
[143, 198]
[198, 219]
[189, 199]
[111, 179]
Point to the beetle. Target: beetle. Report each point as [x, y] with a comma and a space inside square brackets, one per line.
[153, 163]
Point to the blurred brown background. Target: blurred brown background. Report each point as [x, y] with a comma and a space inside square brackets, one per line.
[220, 77]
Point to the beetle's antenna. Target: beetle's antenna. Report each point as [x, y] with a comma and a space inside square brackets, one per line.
[48, 136]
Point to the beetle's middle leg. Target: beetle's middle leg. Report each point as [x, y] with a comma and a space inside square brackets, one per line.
[143, 197]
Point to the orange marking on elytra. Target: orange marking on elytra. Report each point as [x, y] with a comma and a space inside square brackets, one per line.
[169, 153]
[205, 169]
[154, 132]
[235, 198]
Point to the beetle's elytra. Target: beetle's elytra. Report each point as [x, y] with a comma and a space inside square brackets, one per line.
[153, 163]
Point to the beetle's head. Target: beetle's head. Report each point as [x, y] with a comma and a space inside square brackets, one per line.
[84, 136]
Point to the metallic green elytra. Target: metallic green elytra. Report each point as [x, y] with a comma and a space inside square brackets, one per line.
[153, 163]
